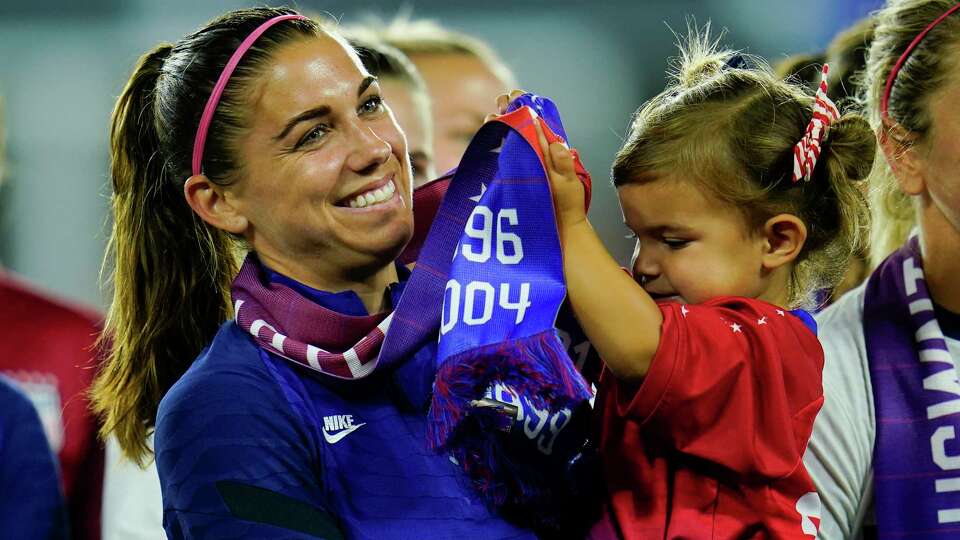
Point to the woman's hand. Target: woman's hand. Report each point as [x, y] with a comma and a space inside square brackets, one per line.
[503, 101]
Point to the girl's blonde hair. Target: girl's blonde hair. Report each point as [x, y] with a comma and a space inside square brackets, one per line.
[730, 124]
[924, 72]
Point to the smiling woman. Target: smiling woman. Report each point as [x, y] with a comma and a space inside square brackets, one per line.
[322, 140]
[262, 132]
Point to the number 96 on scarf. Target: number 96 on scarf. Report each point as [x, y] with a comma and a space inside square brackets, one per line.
[480, 227]
[473, 303]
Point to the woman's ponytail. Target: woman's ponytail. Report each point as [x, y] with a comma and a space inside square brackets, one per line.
[170, 270]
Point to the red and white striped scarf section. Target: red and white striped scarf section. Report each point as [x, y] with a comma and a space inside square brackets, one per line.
[357, 361]
[354, 363]
[287, 324]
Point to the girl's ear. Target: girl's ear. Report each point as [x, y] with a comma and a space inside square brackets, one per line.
[209, 201]
[901, 153]
[784, 236]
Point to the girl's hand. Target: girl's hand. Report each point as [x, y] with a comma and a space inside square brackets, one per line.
[564, 183]
[566, 187]
[617, 315]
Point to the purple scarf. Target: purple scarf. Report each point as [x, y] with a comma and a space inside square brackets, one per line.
[917, 399]
[286, 323]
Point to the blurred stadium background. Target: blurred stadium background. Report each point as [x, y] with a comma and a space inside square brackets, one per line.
[63, 62]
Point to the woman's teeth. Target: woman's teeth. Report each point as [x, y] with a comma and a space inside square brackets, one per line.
[373, 197]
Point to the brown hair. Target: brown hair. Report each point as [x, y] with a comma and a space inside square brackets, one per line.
[171, 271]
[427, 37]
[728, 123]
[383, 60]
[802, 69]
[847, 56]
[920, 77]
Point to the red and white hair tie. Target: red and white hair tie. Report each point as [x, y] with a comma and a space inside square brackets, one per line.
[807, 151]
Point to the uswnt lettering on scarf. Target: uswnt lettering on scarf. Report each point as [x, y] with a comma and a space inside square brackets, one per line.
[917, 400]
[934, 353]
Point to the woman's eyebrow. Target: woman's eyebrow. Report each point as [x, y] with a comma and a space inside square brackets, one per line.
[316, 112]
[322, 110]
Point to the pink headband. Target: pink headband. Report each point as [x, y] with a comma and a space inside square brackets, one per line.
[807, 151]
[214, 99]
[903, 59]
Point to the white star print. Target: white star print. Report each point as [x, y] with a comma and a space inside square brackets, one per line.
[483, 189]
[497, 149]
[684, 310]
[762, 320]
[736, 328]
[780, 312]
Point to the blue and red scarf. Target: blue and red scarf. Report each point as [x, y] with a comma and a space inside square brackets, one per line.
[503, 290]
[492, 259]
[916, 458]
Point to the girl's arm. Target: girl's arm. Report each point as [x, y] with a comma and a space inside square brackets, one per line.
[621, 320]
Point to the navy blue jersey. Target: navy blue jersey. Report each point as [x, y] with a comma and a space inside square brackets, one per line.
[31, 503]
[251, 445]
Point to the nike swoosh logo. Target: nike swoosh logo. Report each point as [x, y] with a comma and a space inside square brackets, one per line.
[336, 437]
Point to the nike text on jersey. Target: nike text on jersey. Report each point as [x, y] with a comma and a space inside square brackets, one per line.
[338, 426]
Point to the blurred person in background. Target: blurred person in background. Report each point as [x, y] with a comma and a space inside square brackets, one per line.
[405, 94]
[31, 501]
[47, 350]
[847, 56]
[803, 68]
[132, 504]
[884, 448]
[463, 75]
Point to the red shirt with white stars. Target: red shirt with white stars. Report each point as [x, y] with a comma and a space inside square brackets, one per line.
[710, 445]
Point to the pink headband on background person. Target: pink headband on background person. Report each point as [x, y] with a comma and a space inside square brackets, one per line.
[214, 99]
[885, 102]
[807, 151]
